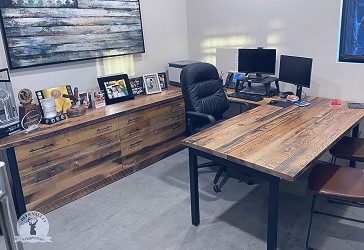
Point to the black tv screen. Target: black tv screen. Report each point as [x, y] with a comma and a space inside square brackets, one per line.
[261, 61]
[295, 70]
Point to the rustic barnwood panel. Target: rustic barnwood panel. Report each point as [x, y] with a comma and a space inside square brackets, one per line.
[147, 153]
[147, 114]
[63, 140]
[278, 141]
[55, 157]
[84, 189]
[40, 187]
[94, 116]
[137, 143]
[151, 124]
[43, 32]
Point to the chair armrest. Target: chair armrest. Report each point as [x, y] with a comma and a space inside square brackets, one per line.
[207, 117]
[239, 102]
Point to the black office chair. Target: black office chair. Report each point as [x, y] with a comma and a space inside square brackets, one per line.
[205, 103]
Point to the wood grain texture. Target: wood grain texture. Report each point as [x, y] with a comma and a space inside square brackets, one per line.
[83, 190]
[279, 141]
[93, 116]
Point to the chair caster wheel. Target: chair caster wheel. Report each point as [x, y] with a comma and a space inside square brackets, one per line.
[217, 188]
[250, 181]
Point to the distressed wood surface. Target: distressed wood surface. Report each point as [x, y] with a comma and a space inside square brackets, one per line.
[279, 141]
[93, 116]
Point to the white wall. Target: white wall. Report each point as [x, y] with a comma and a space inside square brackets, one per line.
[165, 37]
[307, 28]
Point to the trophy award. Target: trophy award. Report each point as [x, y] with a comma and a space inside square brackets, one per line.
[29, 114]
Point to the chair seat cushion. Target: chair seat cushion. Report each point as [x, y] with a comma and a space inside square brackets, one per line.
[349, 148]
[337, 182]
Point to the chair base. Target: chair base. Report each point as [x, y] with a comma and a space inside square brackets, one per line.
[217, 187]
[313, 211]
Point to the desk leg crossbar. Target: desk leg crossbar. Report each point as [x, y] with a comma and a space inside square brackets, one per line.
[273, 192]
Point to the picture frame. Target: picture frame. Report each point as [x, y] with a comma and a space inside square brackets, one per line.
[85, 99]
[62, 103]
[98, 99]
[163, 80]
[151, 84]
[116, 87]
[137, 85]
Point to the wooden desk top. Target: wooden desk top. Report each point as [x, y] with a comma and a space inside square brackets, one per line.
[279, 141]
[93, 116]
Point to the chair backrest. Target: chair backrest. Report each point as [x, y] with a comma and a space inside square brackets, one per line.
[202, 90]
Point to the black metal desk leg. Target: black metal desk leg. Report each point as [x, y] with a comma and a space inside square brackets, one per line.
[354, 133]
[273, 213]
[195, 208]
[17, 189]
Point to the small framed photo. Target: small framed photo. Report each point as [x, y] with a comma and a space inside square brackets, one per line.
[151, 84]
[116, 87]
[163, 80]
[99, 99]
[4, 75]
[137, 85]
[85, 100]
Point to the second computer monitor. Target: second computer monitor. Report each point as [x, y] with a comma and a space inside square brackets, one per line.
[295, 70]
[258, 61]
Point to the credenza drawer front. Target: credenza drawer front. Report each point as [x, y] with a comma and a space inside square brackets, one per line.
[56, 181]
[150, 138]
[151, 124]
[94, 130]
[51, 158]
[149, 113]
[34, 149]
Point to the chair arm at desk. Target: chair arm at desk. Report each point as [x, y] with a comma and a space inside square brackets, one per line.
[208, 117]
[241, 103]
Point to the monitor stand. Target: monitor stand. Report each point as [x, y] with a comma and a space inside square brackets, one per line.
[299, 92]
[257, 77]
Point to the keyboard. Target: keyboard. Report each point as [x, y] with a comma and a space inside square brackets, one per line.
[246, 96]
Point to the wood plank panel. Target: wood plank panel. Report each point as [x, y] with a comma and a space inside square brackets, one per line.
[57, 181]
[144, 126]
[55, 157]
[151, 138]
[279, 141]
[150, 113]
[63, 140]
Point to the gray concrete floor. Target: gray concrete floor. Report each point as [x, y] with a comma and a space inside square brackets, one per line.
[151, 210]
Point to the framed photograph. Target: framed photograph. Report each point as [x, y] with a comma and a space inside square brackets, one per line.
[4, 75]
[85, 99]
[137, 85]
[163, 80]
[62, 103]
[116, 87]
[41, 32]
[99, 99]
[151, 84]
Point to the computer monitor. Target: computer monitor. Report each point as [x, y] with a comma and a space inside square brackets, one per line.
[296, 70]
[259, 61]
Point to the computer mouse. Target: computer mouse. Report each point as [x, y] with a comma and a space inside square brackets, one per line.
[273, 102]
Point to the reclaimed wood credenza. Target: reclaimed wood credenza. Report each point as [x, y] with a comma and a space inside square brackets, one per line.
[69, 159]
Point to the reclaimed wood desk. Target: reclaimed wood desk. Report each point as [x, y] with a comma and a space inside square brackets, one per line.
[69, 159]
[272, 143]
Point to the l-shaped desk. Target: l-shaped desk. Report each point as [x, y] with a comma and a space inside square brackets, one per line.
[272, 143]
